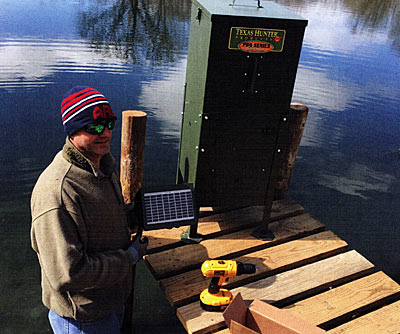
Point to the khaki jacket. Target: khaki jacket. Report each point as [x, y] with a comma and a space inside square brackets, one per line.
[80, 234]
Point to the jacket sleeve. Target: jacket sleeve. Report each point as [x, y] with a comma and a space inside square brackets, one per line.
[64, 261]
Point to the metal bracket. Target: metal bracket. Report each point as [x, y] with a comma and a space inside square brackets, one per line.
[190, 235]
[263, 233]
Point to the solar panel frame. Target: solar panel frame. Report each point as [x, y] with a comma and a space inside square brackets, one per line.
[168, 206]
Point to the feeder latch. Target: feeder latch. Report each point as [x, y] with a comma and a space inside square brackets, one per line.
[198, 17]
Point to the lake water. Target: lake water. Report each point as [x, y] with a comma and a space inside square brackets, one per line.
[347, 170]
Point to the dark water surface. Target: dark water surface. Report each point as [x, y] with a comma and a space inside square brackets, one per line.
[347, 170]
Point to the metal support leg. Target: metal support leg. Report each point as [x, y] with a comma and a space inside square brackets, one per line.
[190, 235]
[263, 232]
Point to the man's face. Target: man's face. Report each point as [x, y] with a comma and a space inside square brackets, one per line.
[94, 147]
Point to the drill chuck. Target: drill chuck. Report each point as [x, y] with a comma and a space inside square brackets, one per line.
[245, 268]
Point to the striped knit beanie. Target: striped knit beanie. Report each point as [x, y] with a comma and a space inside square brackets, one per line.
[82, 106]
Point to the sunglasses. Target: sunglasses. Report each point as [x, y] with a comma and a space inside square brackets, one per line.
[98, 128]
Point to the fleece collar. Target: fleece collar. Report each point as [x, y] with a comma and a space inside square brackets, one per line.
[75, 157]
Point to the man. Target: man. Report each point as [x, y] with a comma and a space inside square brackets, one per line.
[79, 225]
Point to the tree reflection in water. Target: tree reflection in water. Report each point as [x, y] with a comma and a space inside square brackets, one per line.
[140, 31]
[370, 15]
[156, 31]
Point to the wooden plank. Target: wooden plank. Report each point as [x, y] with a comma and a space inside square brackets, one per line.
[186, 287]
[222, 223]
[343, 302]
[385, 320]
[185, 258]
[290, 285]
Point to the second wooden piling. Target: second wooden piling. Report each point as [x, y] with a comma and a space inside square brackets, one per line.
[298, 119]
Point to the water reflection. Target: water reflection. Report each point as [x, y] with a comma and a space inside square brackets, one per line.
[376, 15]
[353, 178]
[347, 172]
[31, 63]
[162, 99]
[117, 33]
[137, 30]
[372, 14]
[167, 107]
[368, 16]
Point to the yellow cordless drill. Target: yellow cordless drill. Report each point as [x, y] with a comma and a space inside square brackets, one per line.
[214, 298]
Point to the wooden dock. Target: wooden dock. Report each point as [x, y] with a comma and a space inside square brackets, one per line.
[306, 270]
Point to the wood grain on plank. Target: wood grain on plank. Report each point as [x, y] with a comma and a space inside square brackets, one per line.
[346, 300]
[385, 320]
[177, 260]
[186, 287]
[296, 283]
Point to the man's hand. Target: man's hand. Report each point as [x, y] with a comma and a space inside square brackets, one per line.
[138, 248]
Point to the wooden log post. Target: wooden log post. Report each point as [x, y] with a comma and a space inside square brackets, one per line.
[132, 152]
[133, 135]
[298, 119]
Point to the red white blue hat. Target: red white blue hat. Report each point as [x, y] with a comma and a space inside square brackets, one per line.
[82, 106]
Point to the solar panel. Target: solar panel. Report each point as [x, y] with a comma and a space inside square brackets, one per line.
[168, 206]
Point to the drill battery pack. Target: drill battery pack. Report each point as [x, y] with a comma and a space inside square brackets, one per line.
[215, 302]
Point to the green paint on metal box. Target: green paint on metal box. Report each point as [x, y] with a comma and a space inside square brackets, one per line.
[241, 69]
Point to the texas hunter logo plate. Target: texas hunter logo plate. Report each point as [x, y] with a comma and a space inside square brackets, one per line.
[256, 40]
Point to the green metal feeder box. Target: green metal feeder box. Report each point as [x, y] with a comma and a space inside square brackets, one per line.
[241, 69]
